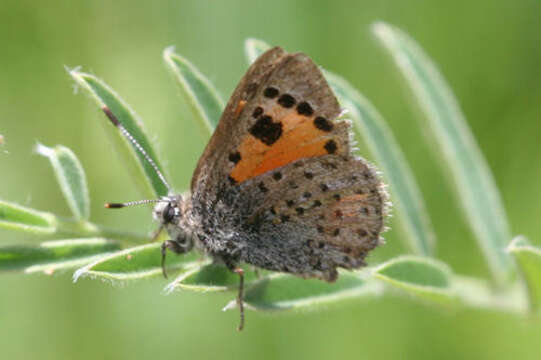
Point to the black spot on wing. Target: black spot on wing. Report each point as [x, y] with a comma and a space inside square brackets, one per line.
[258, 111]
[323, 124]
[287, 101]
[270, 92]
[304, 109]
[262, 187]
[234, 157]
[266, 131]
[331, 146]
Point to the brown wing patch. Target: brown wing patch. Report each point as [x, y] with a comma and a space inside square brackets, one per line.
[349, 213]
[332, 206]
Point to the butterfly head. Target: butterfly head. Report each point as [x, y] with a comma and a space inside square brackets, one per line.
[168, 210]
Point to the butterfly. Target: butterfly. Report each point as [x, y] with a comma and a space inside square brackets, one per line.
[278, 185]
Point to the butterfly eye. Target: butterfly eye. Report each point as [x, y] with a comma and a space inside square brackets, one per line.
[168, 214]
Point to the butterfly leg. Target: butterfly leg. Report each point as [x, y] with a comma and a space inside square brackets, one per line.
[240, 297]
[174, 247]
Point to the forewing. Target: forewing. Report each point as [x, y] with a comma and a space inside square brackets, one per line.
[216, 162]
[287, 115]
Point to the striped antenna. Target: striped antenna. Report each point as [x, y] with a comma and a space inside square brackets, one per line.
[132, 203]
[138, 146]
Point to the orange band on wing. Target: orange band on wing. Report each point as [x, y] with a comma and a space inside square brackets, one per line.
[300, 139]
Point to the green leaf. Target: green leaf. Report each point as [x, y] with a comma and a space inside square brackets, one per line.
[16, 217]
[253, 48]
[281, 291]
[51, 256]
[422, 277]
[147, 180]
[272, 290]
[70, 176]
[380, 140]
[480, 294]
[210, 277]
[475, 185]
[135, 263]
[528, 258]
[204, 100]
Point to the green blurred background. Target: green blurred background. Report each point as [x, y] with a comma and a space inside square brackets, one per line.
[489, 51]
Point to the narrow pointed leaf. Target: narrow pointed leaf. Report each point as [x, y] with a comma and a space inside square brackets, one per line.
[281, 291]
[475, 185]
[380, 141]
[204, 100]
[481, 294]
[253, 48]
[528, 258]
[71, 178]
[210, 277]
[424, 278]
[16, 217]
[135, 263]
[146, 178]
[52, 256]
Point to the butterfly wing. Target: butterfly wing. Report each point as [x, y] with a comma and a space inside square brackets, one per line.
[217, 160]
[277, 185]
[318, 214]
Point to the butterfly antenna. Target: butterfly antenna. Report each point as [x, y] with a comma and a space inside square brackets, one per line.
[132, 203]
[138, 146]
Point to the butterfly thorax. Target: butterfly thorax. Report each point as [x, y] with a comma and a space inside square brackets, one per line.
[208, 225]
[217, 226]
